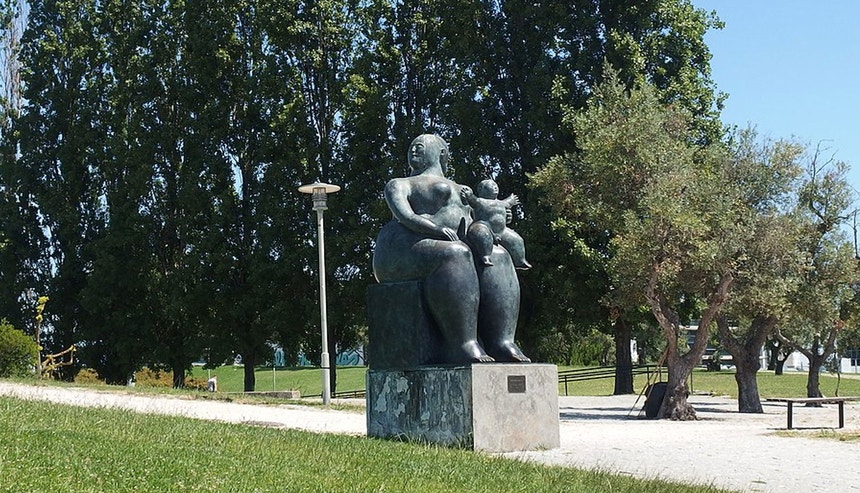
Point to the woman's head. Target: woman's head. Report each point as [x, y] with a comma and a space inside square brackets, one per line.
[427, 150]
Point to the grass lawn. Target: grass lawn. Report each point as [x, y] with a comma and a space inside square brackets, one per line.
[49, 447]
[309, 382]
[838, 435]
[790, 384]
[306, 380]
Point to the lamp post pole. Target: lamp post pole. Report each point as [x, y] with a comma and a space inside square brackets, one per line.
[319, 192]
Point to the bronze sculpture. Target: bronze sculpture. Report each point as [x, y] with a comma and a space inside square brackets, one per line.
[474, 306]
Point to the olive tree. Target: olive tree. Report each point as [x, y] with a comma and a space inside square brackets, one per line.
[682, 216]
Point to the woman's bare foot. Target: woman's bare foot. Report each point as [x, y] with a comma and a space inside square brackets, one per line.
[472, 352]
[508, 351]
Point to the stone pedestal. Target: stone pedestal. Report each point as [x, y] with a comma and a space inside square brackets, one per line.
[496, 407]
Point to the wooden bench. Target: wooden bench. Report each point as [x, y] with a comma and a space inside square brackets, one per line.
[791, 401]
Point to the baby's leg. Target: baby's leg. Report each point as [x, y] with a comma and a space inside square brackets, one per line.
[480, 239]
[515, 245]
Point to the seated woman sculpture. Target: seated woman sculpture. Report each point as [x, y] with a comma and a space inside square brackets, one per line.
[423, 241]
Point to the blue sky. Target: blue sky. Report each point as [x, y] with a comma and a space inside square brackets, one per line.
[791, 68]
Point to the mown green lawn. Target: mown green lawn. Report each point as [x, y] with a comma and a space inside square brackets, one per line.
[306, 380]
[790, 384]
[309, 382]
[50, 447]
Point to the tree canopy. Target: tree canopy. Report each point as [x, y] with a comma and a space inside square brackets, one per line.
[149, 179]
[696, 230]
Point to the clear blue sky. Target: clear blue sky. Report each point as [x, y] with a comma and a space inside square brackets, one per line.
[791, 68]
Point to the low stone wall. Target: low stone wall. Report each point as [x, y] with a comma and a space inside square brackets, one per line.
[280, 394]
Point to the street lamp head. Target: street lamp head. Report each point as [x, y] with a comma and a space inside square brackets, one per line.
[319, 192]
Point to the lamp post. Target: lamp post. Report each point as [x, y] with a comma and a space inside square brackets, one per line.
[319, 192]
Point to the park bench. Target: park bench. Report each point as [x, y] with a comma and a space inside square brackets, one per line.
[791, 401]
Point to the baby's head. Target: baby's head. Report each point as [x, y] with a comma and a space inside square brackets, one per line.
[487, 189]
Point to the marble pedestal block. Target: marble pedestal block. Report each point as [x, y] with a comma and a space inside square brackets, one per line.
[496, 407]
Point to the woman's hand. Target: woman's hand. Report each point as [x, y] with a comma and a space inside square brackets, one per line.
[449, 234]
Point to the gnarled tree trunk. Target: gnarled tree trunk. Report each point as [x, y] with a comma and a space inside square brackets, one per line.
[675, 405]
[817, 356]
[779, 368]
[178, 369]
[749, 400]
[746, 358]
[813, 384]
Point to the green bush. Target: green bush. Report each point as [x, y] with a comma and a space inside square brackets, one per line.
[147, 377]
[593, 348]
[18, 352]
[88, 376]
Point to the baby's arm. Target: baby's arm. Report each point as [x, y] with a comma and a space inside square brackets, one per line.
[511, 201]
[468, 196]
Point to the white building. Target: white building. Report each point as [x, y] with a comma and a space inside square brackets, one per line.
[798, 362]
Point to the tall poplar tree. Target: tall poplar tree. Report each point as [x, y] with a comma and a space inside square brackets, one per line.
[19, 245]
[61, 142]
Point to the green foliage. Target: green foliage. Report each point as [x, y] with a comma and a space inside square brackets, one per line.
[637, 179]
[577, 347]
[109, 450]
[147, 377]
[823, 299]
[595, 348]
[88, 376]
[156, 158]
[18, 352]
[691, 223]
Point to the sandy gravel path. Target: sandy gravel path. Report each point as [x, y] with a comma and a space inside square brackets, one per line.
[730, 450]
[725, 448]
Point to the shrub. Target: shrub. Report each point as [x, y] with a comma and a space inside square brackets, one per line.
[18, 352]
[88, 376]
[148, 377]
[593, 348]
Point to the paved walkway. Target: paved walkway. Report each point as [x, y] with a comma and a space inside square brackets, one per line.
[723, 448]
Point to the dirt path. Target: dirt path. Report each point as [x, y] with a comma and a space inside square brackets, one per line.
[727, 449]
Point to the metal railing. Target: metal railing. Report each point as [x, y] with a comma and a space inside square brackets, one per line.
[346, 394]
[600, 372]
[564, 377]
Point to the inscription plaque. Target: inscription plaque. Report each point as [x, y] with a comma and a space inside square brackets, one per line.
[516, 384]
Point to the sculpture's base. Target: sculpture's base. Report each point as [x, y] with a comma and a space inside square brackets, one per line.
[401, 333]
[493, 406]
